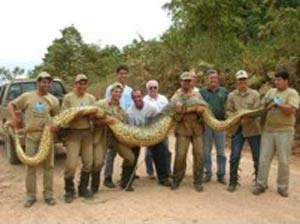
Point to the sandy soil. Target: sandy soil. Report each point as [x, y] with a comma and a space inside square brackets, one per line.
[151, 203]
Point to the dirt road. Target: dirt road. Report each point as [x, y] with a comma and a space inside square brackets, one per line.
[151, 203]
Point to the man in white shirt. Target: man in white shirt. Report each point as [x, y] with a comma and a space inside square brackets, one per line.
[159, 101]
[139, 114]
[125, 102]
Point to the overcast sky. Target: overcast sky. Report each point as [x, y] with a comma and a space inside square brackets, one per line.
[28, 27]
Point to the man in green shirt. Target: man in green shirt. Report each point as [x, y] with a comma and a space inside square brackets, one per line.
[215, 95]
[278, 133]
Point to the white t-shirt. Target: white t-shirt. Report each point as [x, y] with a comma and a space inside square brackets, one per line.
[160, 102]
[139, 117]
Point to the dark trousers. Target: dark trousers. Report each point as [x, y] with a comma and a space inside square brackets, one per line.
[128, 169]
[159, 154]
[237, 143]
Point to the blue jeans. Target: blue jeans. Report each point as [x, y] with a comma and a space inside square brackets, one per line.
[237, 143]
[149, 159]
[217, 137]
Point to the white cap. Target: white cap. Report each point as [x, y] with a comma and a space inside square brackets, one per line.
[241, 74]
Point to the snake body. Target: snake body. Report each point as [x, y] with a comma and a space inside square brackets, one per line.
[129, 135]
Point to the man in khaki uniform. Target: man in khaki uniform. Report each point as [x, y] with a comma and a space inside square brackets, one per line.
[247, 129]
[188, 130]
[103, 136]
[278, 134]
[38, 107]
[79, 141]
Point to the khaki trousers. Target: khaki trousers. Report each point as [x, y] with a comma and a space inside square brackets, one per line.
[32, 145]
[282, 142]
[181, 149]
[79, 143]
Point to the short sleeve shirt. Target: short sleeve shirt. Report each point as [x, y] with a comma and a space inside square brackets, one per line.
[216, 100]
[38, 110]
[160, 102]
[276, 120]
[72, 100]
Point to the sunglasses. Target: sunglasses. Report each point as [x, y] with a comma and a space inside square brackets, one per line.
[153, 87]
[187, 80]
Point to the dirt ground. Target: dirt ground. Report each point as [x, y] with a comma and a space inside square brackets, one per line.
[151, 203]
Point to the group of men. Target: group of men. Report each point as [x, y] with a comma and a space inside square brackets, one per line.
[91, 139]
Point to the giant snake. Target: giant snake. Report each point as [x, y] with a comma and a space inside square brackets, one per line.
[126, 134]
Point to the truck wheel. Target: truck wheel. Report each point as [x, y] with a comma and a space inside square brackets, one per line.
[11, 150]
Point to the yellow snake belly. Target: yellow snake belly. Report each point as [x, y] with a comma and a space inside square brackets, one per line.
[129, 135]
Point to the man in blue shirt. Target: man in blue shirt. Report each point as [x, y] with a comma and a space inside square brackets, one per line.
[215, 96]
[125, 102]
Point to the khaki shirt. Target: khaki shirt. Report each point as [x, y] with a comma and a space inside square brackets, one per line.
[187, 124]
[72, 100]
[248, 100]
[113, 109]
[276, 120]
[38, 111]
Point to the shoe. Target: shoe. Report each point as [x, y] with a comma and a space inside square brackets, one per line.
[108, 182]
[222, 181]
[283, 193]
[231, 188]
[29, 203]
[136, 176]
[50, 201]
[174, 185]
[165, 183]
[69, 190]
[198, 187]
[69, 198]
[128, 189]
[83, 190]
[207, 179]
[258, 190]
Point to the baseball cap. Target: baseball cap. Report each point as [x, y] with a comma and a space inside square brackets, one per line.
[43, 75]
[80, 77]
[241, 74]
[186, 76]
[116, 85]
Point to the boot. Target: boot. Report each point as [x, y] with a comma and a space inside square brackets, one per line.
[108, 182]
[95, 181]
[83, 190]
[233, 179]
[69, 190]
[126, 178]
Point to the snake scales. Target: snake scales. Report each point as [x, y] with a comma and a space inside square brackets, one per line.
[129, 135]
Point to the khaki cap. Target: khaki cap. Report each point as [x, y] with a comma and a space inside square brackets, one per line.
[80, 77]
[116, 85]
[241, 74]
[43, 75]
[186, 76]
